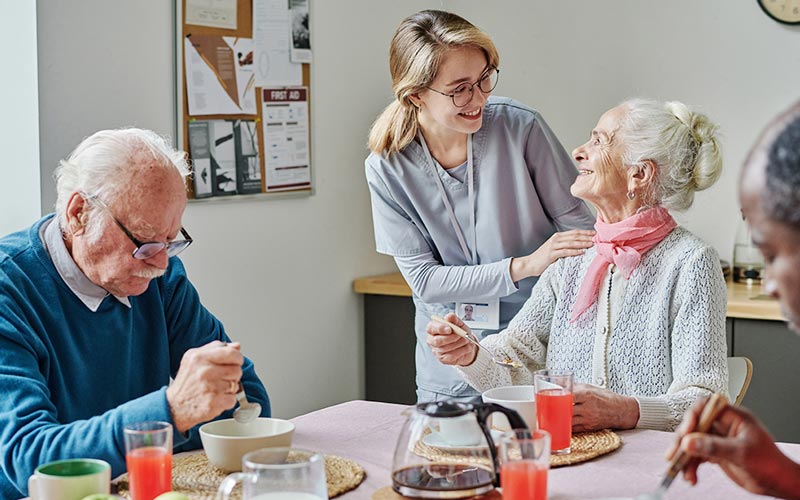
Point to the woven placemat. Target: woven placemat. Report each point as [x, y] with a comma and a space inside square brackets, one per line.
[387, 493]
[196, 478]
[583, 446]
[586, 446]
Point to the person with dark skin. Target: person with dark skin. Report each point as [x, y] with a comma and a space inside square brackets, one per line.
[769, 193]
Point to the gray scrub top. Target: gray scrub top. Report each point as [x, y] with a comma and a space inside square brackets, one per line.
[522, 176]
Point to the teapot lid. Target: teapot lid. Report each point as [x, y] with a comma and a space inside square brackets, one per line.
[444, 409]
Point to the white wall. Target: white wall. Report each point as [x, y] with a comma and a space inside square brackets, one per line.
[19, 128]
[574, 59]
[278, 273]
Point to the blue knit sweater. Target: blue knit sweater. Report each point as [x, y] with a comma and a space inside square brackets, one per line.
[71, 379]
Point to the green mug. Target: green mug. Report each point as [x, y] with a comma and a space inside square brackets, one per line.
[71, 479]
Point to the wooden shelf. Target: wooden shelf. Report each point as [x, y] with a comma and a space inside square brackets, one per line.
[384, 284]
[748, 302]
[744, 301]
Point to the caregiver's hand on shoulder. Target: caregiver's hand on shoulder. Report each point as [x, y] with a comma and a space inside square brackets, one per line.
[563, 244]
[448, 346]
[743, 449]
[597, 408]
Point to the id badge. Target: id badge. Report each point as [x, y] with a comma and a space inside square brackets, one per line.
[480, 315]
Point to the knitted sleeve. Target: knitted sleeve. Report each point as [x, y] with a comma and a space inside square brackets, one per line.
[698, 348]
[524, 341]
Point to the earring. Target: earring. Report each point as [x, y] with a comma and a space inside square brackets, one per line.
[631, 195]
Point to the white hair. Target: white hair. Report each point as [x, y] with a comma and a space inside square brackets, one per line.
[681, 143]
[103, 163]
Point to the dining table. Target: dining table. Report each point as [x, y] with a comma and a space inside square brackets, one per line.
[367, 432]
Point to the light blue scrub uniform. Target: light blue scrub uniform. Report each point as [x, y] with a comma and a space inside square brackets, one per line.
[521, 179]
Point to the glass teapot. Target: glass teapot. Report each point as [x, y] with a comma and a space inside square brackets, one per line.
[445, 450]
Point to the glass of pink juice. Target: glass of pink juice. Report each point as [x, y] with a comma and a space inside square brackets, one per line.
[524, 463]
[554, 406]
[148, 456]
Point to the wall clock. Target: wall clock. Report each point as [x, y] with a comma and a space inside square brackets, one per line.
[783, 11]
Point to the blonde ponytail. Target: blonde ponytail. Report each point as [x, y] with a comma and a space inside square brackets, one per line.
[394, 129]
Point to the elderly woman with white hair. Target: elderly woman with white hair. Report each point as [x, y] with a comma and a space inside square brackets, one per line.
[640, 317]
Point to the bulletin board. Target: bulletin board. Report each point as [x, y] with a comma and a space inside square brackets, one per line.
[243, 118]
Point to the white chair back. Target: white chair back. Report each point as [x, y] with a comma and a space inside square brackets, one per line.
[740, 371]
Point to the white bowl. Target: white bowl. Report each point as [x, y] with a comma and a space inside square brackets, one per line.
[226, 441]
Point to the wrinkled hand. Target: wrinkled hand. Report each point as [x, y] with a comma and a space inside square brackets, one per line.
[448, 346]
[206, 384]
[563, 244]
[743, 449]
[596, 408]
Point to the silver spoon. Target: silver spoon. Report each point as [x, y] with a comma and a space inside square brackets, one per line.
[247, 411]
[508, 363]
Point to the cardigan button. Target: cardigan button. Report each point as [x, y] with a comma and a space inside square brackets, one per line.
[601, 381]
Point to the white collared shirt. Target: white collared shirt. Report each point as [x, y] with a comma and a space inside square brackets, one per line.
[89, 293]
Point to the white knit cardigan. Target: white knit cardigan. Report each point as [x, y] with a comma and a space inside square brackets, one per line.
[666, 344]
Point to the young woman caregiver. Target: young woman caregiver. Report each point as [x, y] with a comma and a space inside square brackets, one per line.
[467, 190]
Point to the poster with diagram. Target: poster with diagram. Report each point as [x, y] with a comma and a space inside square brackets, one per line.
[286, 148]
[219, 75]
[248, 167]
[213, 150]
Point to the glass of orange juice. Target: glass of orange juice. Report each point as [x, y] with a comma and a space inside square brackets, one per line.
[524, 462]
[554, 406]
[148, 455]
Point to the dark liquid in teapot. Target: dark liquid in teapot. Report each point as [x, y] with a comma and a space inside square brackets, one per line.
[443, 477]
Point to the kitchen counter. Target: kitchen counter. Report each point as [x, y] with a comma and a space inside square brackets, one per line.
[744, 301]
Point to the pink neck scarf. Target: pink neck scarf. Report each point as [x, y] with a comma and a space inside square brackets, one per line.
[623, 244]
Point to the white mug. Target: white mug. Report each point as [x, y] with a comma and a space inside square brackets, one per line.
[71, 479]
[521, 398]
[460, 431]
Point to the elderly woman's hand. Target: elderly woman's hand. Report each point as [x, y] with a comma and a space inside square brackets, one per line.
[596, 408]
[564, 244]
[448, 346]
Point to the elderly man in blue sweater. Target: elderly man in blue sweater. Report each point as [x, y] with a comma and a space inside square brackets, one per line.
[97, 314]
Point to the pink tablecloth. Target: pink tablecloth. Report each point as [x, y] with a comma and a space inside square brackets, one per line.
[367, 431]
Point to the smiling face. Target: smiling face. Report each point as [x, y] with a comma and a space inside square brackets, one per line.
[150, 207]
[603, 179]
[438, 115]
[779, 242]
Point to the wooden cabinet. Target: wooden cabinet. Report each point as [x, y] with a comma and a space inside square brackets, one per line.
[389, 349]
[775, 353]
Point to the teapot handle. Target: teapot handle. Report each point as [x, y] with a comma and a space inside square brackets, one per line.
[482, 412]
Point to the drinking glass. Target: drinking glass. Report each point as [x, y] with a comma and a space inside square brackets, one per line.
[279, 474]
[524, 463]
[148, 455]
[554, 406]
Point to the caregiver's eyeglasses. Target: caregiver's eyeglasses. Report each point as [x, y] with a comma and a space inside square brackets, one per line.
[462, 95]
[145, 249]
